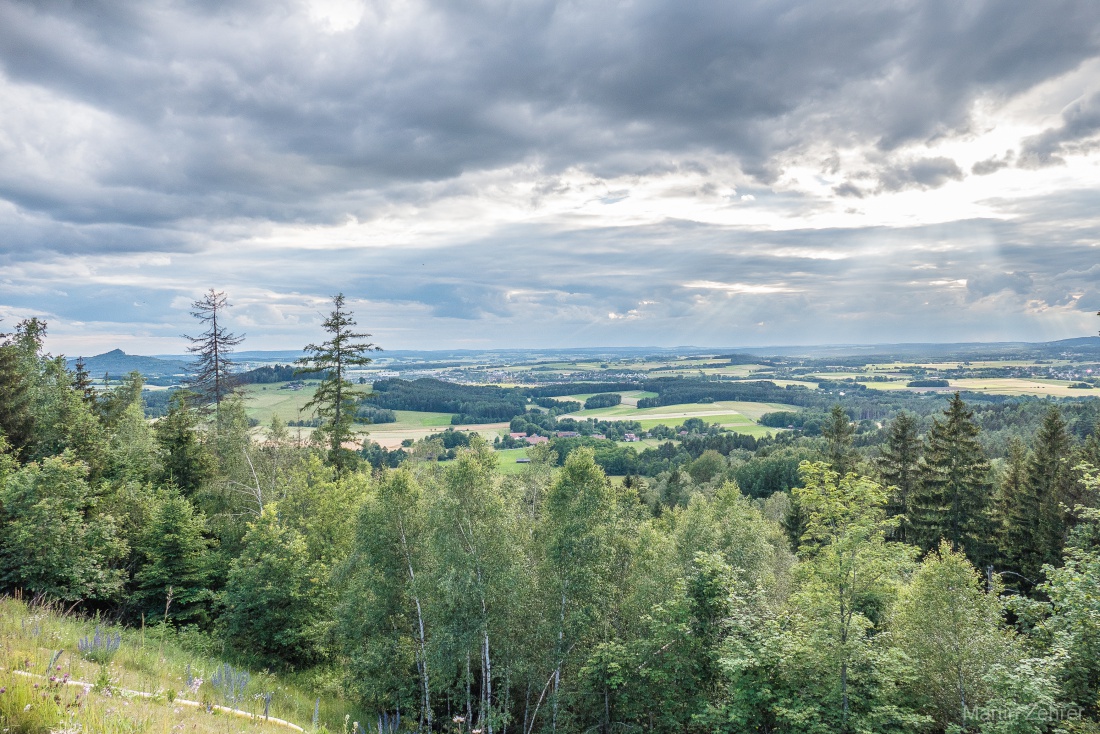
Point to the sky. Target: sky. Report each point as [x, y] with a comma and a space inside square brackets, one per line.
[484, 174]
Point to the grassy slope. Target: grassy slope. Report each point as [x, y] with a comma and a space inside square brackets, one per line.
[29, 637]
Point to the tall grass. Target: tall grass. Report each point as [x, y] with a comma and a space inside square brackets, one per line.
[39, 643]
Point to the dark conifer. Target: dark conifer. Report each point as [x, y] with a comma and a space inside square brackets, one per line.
[82, 383]
[186, 464]
[1018, 513]
[899, 469]
[953, 498]
[838, 431]
[1052, 481]
[336, 397]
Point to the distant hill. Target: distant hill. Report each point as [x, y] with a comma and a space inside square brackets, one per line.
[118, 363]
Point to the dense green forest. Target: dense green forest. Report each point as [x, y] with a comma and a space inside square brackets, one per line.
[919, 564]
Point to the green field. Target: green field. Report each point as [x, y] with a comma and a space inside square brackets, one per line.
[630, 397]
[415, 419]
[506, 459]
[264, 401]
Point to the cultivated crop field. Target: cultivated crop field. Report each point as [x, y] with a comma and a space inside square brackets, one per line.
[1019, 386]
[750, 411]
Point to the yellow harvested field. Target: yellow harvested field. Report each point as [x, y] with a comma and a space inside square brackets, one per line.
[677, 413]
[1020, 386]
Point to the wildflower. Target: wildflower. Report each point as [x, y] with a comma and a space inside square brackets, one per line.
[459, 719]
[3, 689]
[36, 685]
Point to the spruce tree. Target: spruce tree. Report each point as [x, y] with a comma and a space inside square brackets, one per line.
[1052, 482]
[899, 470]
[186, 463]
[176, 564]
[82, 383]
[838, 431]
[336, 397]
[1018, 513]
[1090, 450]
[952, 501]
[275, 596]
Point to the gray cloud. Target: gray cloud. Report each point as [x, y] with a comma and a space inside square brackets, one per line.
[992, 165]
[986, 284]
[187, 129]
[210, 107]
[531, 284]
[1077, 133]
[926, 173]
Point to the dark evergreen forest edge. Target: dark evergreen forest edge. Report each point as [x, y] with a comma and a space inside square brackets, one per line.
[886, 562]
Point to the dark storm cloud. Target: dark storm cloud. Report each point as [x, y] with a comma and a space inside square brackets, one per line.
[248, 110]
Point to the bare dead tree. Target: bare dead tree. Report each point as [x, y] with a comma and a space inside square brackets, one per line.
[211, 377]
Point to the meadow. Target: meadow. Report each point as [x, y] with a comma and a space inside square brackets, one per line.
[155, 680]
